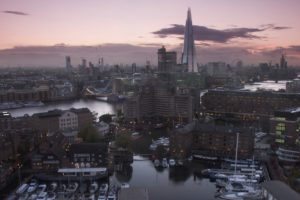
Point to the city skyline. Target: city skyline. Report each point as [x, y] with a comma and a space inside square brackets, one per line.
[252, 31]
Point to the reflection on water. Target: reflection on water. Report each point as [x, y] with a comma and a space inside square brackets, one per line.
[268, 85]
[168, 183]
[179, 174]
[125, 175]
[99, 107]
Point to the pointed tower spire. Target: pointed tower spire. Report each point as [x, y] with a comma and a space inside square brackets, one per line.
[188, 53]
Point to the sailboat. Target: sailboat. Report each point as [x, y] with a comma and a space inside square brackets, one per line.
[235, 188]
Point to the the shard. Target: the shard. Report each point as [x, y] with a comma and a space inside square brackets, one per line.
[188, 54]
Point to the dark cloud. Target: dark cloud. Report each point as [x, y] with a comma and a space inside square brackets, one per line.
[15, 12]
[294, 48]
[151, 44]
[203, 44]
[292, 52]
[202, 33]
[274, 27]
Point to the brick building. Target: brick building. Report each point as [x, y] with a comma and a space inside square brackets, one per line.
[285, 128]
[220, 141]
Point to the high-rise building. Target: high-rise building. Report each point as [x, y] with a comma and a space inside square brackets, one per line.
[68, 63]
[189, 54]
[166, 60]
[133, 68]
[283, 62]
[161, 99]
[84, 63]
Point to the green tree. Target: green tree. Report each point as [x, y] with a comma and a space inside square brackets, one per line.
[124, 141]
[119, 113]
[90, 134]
[107, 118]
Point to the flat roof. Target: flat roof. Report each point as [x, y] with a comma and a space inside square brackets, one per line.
[81, 170]
[280, 190]
[133, 194]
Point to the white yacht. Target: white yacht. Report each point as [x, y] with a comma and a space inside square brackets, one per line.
[93, 187]
[172, 162]
[156, 163]
[112, 193]
[22, 189]
[41, 188]
[51, 196]
[165, 163]
[125, 185]
[102, 195]
[42, 196]
[53, 187]
[103, 188]
[72, 187]
[32, 187]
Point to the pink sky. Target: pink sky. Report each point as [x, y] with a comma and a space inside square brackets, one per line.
[94, 22]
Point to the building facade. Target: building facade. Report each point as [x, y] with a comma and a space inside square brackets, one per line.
[68, 120]
[89, 154]
[189, 52]
[160, 99]
[285, 128]
[167, 60]
[247, 106]
[220, 141]
[60, 120]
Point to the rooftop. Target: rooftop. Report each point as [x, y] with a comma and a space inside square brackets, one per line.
[56, 112]
[88, 148]
[212, 127]
[289, 113]
[5, 115]
[81, 170]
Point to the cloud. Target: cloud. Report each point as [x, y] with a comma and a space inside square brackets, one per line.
[274, 27]
[202, 44]
[290, 50]
[294, 48]
[202, 33]
[15, 12]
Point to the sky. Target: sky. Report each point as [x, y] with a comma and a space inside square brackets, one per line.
[43, 32]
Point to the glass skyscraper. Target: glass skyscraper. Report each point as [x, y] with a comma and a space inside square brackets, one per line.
[188, 54]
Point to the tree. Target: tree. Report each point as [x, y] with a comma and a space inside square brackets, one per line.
[90, 134]
[107, 118]
[119, 113]
[124, 141]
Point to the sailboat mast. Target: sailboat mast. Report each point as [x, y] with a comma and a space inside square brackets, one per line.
[236, 151]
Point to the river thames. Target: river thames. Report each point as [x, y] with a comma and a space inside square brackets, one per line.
[99, 107]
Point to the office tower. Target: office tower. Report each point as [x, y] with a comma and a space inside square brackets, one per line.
[68, 63]
[133, 68]
[189, 54]
[83, 63]
[166, 60]
[283, 62]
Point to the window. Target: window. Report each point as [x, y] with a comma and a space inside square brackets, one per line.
[281, 141]
[280, 128]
